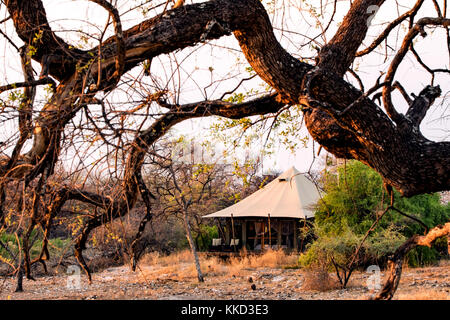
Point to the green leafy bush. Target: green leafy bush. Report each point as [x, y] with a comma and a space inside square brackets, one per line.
[339, 248]
[55, 246]
[354, 196]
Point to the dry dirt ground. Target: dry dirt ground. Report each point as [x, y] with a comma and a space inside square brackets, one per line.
[176, 279]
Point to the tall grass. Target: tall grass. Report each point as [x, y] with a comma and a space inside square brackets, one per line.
[180, 264]
[423, 294]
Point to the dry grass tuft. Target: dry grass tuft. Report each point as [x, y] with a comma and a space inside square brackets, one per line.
[444, 263]
[269, 259]
[423, 294]
[319, 280]
[180, 265]
[157, 259]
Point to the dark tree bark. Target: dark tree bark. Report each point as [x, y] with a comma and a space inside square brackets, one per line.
[19, 276]
[363, 132]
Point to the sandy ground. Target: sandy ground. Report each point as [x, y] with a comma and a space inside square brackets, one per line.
[269, 283]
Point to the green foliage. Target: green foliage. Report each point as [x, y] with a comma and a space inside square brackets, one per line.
[340, 247]
[383, 243]
[55, 245]
[204, 237]
[328, 246]
[354, 195]
[427, 207]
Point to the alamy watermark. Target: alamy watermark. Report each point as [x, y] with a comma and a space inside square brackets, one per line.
[74, 277]
[373, 283]
[193, 151]
[373, 11]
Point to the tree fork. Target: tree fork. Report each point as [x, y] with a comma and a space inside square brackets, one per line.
[147, 196]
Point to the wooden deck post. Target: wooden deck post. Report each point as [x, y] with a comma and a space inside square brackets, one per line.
[227, 231]
[448, 245]
[244, 233]
[221, 233]
[295, 235]
[232, 231]
[279, 233]
[263, 225]
[303, 236]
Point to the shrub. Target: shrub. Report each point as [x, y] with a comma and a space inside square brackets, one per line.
[340, 248]
[318, 280]
[354, 196]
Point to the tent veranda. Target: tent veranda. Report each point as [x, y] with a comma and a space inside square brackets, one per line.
[271, 213]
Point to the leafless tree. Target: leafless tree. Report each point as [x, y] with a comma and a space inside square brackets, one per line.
[181, 186]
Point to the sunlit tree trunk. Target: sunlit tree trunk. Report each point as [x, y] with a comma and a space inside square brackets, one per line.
[187, 227]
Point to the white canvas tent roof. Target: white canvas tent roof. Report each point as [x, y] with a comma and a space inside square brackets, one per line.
[291, 195]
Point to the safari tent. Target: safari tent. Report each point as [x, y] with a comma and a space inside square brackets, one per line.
[270, 217]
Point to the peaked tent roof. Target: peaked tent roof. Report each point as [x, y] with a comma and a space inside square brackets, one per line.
[291, 195]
